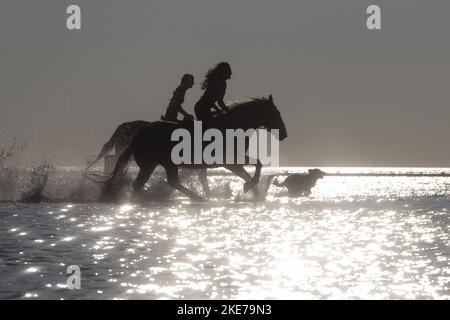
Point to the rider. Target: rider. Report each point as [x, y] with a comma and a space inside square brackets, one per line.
[187, 81]
[215, 86]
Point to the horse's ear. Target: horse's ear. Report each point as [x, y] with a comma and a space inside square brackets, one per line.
[270, 98]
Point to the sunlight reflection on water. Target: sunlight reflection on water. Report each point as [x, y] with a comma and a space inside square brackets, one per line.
[356, 237]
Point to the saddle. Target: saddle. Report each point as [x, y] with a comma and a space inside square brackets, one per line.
[163, 118]
[184, 122]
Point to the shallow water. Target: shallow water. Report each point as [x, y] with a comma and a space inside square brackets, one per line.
[354, 238]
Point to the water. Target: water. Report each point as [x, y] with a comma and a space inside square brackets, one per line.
[356, 237]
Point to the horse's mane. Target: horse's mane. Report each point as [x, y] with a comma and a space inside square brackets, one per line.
[252, 102]
[245, 108]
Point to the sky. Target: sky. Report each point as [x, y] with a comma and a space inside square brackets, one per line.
[349, 96]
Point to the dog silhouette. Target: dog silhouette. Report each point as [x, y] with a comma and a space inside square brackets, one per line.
[299, 184]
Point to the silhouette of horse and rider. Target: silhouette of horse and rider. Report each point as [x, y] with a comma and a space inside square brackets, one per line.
[149, 143]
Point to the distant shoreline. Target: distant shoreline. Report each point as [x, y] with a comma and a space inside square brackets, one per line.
[284, 171]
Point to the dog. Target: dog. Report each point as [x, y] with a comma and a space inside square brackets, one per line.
[299, 184]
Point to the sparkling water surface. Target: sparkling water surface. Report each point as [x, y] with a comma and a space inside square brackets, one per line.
[353, 238]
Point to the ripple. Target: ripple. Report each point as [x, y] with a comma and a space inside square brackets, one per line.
[355, 238]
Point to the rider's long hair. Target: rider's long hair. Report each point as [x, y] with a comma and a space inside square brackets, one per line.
[216, 74]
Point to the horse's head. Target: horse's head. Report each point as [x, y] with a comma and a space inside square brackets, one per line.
[258, 112]
[271, 117]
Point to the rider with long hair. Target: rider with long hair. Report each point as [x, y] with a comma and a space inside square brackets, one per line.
[174, 108]
[215, 86]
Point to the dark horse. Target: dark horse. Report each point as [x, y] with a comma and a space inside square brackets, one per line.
[152, 145]
[121, 139]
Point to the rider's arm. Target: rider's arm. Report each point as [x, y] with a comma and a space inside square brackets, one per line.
[220, 97]
[177, 101]
[183, 112]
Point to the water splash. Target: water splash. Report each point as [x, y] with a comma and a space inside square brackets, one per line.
[68, 184]
[11, 150]
[38, 182]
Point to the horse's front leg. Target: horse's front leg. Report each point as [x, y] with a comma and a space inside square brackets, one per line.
[255, 180]
[240, 172]
[203, 178]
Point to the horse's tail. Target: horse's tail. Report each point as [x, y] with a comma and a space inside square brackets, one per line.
[107, 146]
[120, 167]
[122, 163]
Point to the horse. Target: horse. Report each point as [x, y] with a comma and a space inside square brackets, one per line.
[121, 139]
[152, 145]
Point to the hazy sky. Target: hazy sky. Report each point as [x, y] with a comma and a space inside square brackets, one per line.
[349, 96]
